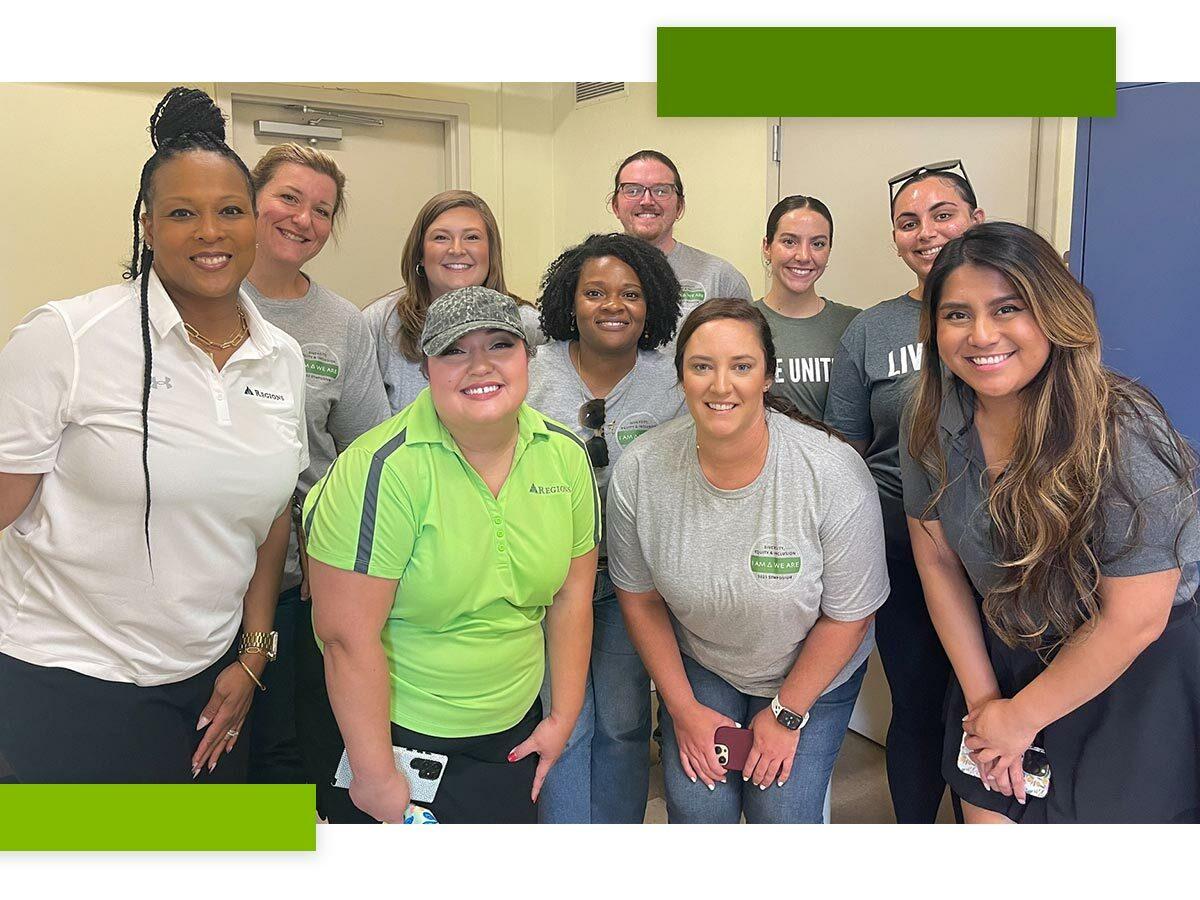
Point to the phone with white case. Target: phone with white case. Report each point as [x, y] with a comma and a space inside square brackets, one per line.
[422, 769]
[1035, 765]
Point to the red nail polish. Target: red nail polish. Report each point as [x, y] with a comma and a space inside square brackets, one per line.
[512, 757]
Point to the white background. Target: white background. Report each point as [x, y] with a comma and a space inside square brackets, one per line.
[458, 40]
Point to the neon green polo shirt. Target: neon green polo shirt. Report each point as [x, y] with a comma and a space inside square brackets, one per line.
[475, 573]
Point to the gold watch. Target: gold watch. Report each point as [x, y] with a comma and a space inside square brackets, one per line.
[264, 642]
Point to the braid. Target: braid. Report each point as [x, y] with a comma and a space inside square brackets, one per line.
[788, 408]
[185, 119]
[147, 365]
[132, 270]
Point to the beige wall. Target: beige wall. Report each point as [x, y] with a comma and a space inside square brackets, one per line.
[544, 166]
[725, 164]
[73, 154]
[86, 198]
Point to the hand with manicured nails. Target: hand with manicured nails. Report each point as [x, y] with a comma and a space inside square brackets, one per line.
[998, 738]
[226, 711]
[695, 733]
[770, 758]
[548, 741]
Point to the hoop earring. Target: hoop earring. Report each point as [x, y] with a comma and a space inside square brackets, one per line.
[421, 269]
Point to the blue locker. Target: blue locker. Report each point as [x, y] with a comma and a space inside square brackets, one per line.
[1135, 239]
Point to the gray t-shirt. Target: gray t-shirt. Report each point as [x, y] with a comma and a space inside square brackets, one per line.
[647, 396]
[1170, 536]
[403, 379]
[804, 353]
[702, 276]
[343, 391]
[869, 384]
[746, 573]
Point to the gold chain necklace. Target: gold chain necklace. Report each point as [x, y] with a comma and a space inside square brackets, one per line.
[210, 346]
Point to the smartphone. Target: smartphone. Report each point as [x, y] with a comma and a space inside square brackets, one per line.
[1036, 766]
[733, 746]
[423, 770]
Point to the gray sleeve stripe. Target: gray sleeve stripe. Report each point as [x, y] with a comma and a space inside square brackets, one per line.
[591, 472]
[366, 527]
[308, 522]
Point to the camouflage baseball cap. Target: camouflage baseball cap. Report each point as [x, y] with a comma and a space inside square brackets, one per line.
[464, 310]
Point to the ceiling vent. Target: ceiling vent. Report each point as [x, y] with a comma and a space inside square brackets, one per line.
[588, 92]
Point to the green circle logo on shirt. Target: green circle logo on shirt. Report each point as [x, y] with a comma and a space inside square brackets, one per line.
[634, 426]
[320, 364]
[690, 291]
[775, 562]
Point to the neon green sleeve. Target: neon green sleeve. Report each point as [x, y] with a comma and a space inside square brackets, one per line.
[359, 517]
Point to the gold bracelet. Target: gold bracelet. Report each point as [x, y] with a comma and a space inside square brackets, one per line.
[253, 677]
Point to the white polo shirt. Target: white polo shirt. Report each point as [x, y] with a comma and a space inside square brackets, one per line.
[225, 450]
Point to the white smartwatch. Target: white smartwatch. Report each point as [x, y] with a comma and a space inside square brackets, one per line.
[792, 721]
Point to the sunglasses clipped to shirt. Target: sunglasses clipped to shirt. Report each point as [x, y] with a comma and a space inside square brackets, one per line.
[591, 415]
[944, 166]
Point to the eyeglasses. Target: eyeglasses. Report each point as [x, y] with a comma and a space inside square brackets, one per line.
[943, 166]
[631, 191]
[591, 415]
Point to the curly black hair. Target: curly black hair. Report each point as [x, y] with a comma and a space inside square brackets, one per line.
[660, 287]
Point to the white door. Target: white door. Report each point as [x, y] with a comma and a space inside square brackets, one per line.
[391, 170]
[847, 163]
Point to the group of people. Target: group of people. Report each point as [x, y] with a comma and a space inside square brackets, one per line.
[252, 533]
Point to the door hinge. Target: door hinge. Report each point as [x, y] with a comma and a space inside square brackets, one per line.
[776, 141]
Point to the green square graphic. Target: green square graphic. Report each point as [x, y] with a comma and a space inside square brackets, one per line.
[158, 817]
[867, 72]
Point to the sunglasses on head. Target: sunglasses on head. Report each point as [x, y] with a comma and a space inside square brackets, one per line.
[591, 415]
[944, 166]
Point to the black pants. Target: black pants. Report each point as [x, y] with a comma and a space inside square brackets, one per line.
[918, 674]
[480, 785]
[60, 727]
[275, 756]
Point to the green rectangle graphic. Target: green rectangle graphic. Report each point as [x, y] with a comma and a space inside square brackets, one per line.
[321, 368]
[158, 817]
[775, 565]
[887, 72]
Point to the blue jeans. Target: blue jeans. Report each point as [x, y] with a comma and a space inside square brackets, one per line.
[802, 798]
[603, 774]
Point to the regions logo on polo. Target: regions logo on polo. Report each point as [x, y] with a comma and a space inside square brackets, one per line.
[263, 395]
[320, 365]
[634, 426]
[775, 562]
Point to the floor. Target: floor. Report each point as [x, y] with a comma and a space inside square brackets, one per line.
[860, 794]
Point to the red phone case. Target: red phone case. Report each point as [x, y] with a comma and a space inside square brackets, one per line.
[737, 742]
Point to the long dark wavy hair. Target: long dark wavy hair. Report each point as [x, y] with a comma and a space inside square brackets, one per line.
[1047, 511]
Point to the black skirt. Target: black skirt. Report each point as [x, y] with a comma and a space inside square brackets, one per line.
[1130, 754]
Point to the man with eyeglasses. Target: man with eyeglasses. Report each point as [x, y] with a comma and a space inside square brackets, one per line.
[648, 200]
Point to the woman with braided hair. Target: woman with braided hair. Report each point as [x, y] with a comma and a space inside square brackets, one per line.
[151, 435]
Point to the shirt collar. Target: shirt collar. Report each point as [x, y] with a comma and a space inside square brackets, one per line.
[957, 417]
[165, 317]
[424, 426]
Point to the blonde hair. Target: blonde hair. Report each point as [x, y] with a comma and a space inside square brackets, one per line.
[413, 299]
[310, 158]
